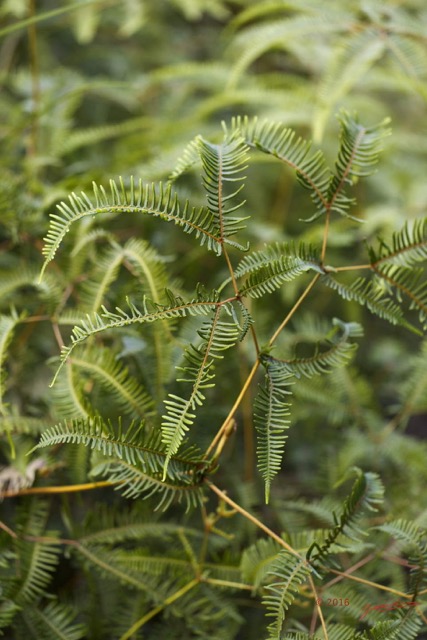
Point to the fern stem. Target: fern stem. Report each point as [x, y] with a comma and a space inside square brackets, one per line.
[232, 411]
[294, 308]
[252, 518]
[353, 267]
[369, 583]
[228, 583]
[317, 611]
[175, 596]
[73, 488]
[325, 236]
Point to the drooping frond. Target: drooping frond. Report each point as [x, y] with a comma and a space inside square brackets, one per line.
[37, 559]
[256, 39]
[55, 621]
[136, 459]
[352, 59]
[203, 304]
[49, 290]
[370, 294]
[7, 328]
[413, 391]
[257, 561]
[410, 283]
[217, 336]
[190, 156]
[414, 539]
[357, 157]
[95, 288]
[68, 397]
[288, 573]
[271, 417]
[223, 164]
[125, 390]
[408, 246]
[338, 353]
[268, 269]
[281, 142]
[158, 201]
[367, 492]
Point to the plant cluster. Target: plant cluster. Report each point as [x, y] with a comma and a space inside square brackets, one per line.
[206, 425]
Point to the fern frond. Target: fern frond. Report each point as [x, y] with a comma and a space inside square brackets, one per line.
[257, 561]
[55, 621]
[268, 269]
[271, 413]
[338, 354]
[7, 328]
[190, 156]
[354, 55]
[408, 282]
[217, 336]
[409, 536]
[409, 246]
[223, 164]
[367, 492]
[138, 458]
[369, 294]
[158, 201]
[413, 392]
[279, 141]
[203, 304]
[358, 155]
[289, 573]
[68, 397]
[49, 290]
[37, 560]
[95, 288]
[126, 391]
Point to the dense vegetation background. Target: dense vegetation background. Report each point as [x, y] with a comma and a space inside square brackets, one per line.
[95, 90]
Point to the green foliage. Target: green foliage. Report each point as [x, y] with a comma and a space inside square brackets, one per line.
[183, 366]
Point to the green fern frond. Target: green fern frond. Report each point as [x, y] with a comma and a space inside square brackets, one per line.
[411, 537]
[138, 458]
[353, 57]
[279, 141]
[358, 155]
[55, 621]
[223, 164]
[68, 397]
[190, 156]
[267, 270]
[10, 282]
[369, 294]
[289, 573]
[125, 390]
[367, 492]
[408, 282]
[413, 392]
[37, 560]
[203, 304]
[409, 246]
[159, 201]
[257, 561]
[217, 336]
[408, 55]
[257, 39]
[7, 328]
[271, 413]
[95, 288]
[337, 355]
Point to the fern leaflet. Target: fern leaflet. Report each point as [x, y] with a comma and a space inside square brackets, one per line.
[271, 412]
[289, 573]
